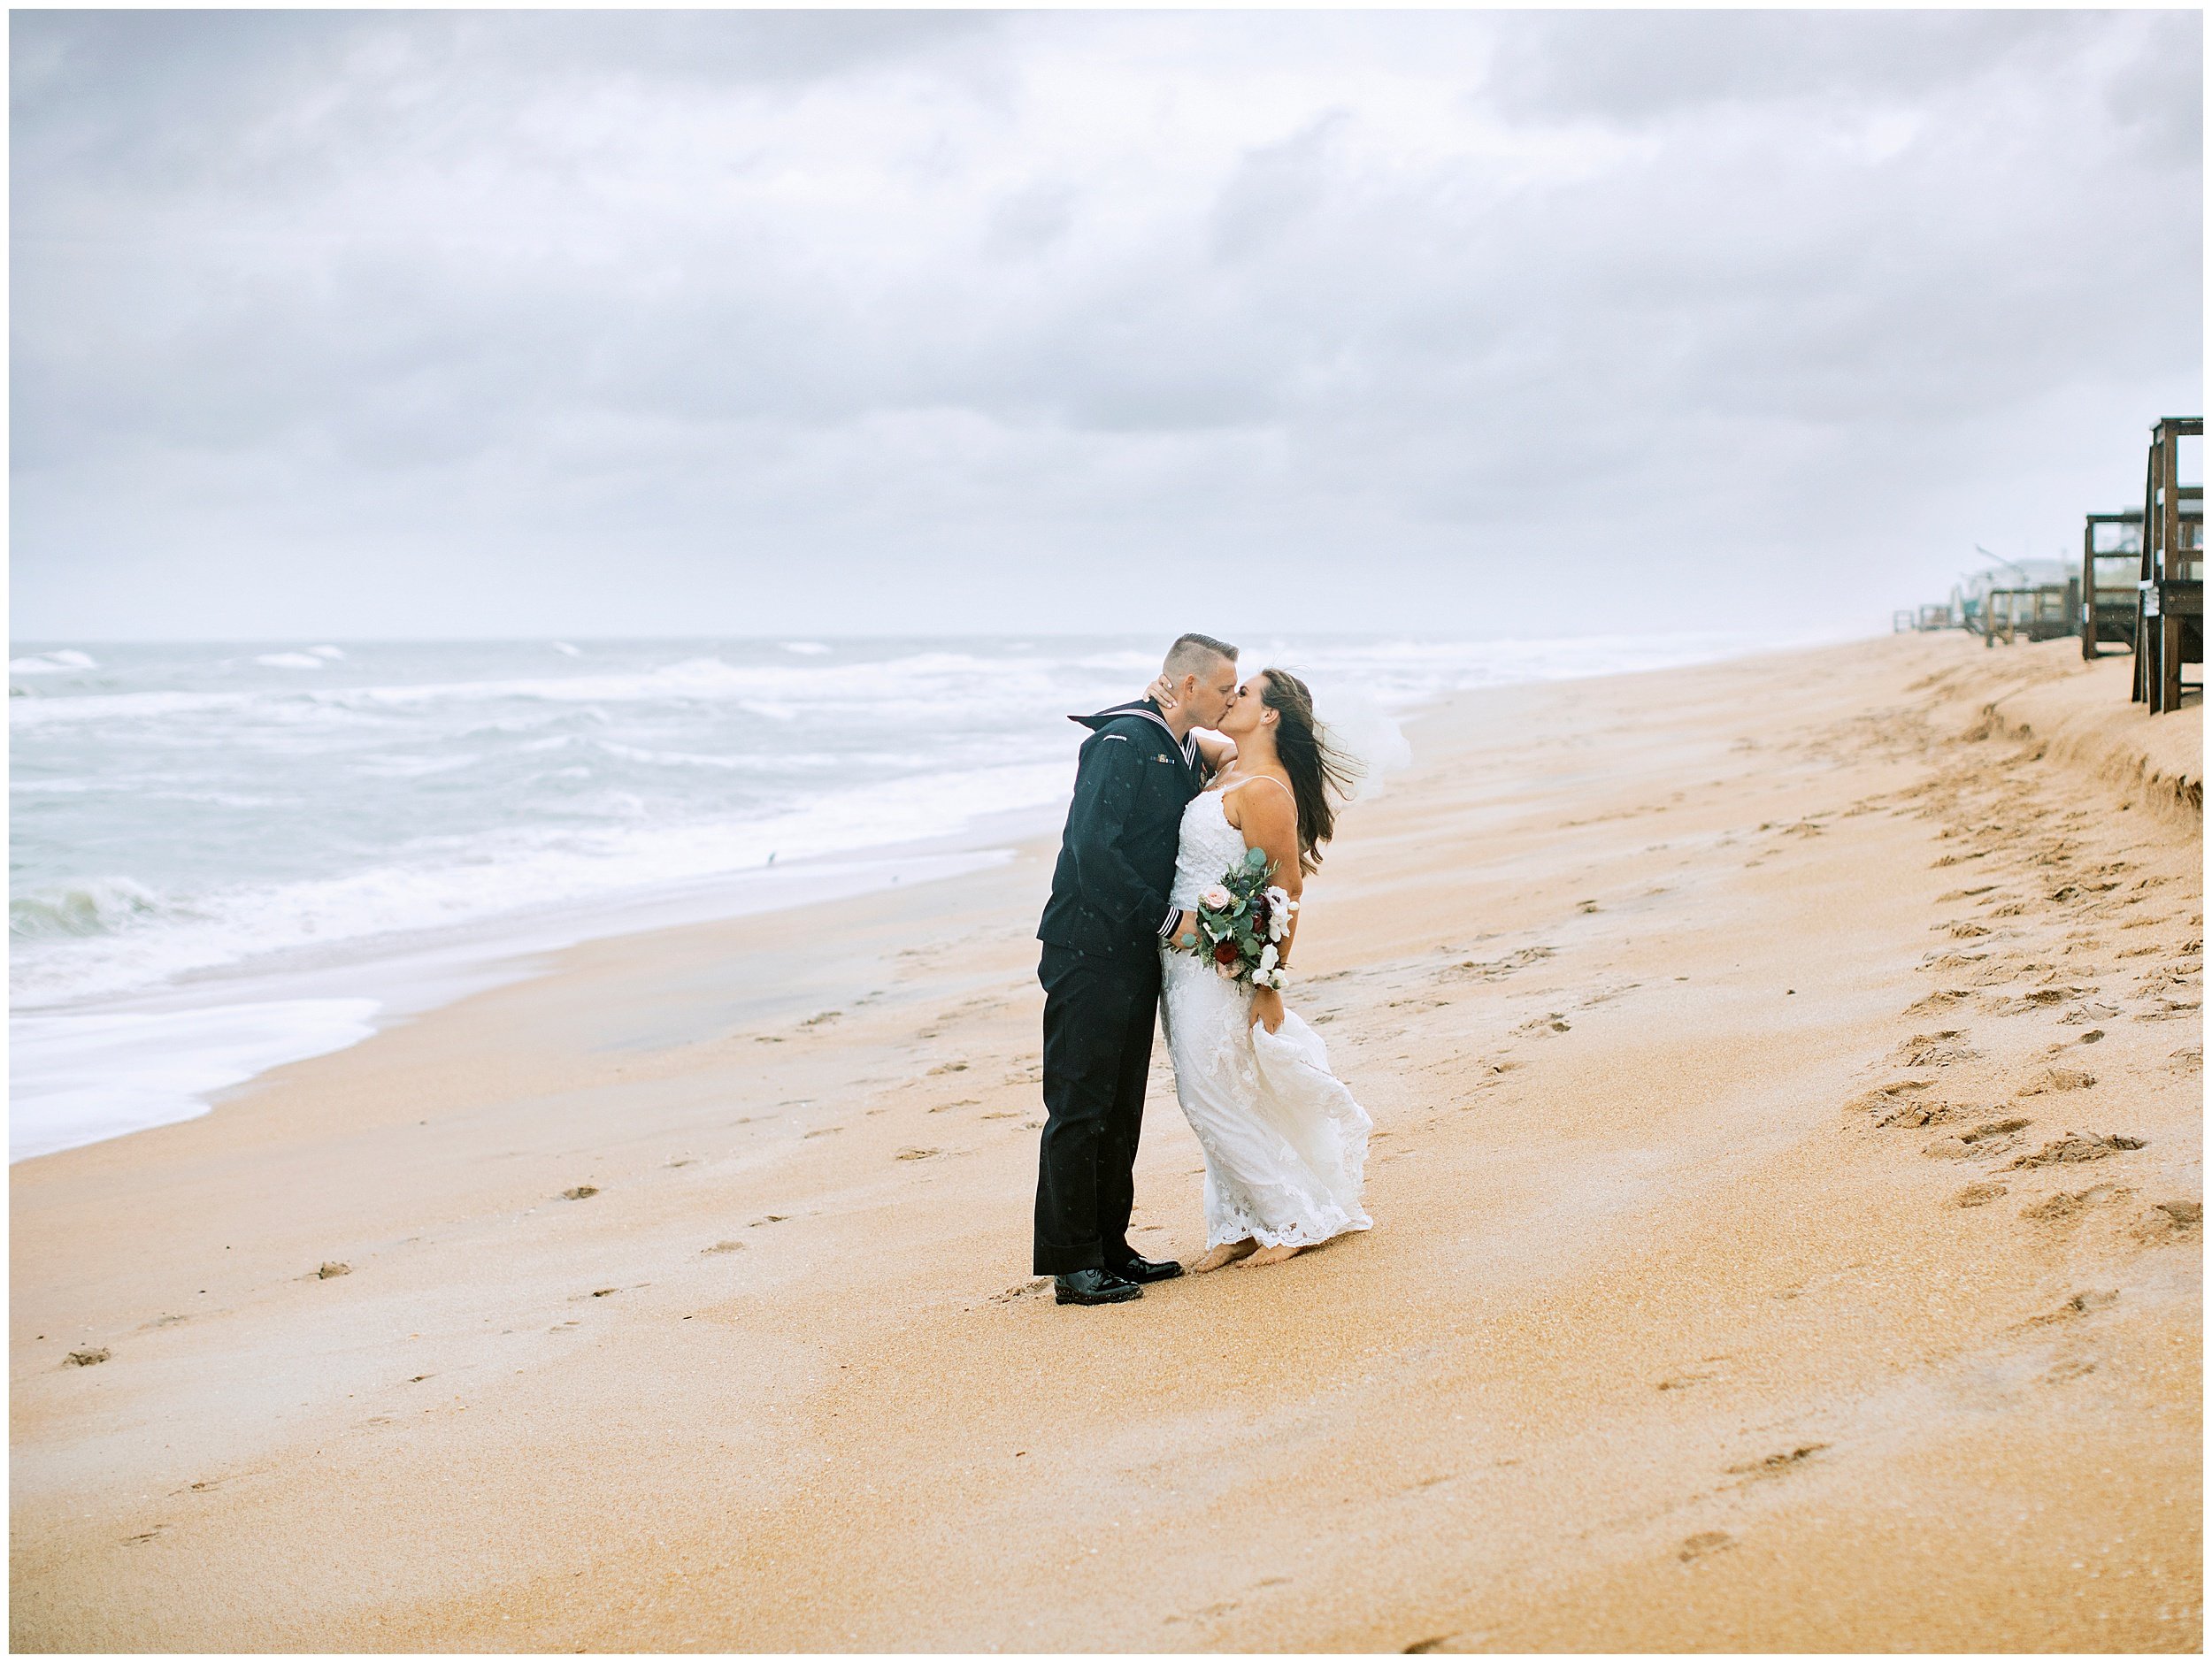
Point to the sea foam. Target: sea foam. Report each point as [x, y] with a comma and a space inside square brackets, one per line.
[187, 816]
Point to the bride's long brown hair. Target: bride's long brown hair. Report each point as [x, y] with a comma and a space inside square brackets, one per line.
[1317, 770]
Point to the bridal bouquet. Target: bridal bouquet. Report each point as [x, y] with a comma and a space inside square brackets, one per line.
[1242, 920]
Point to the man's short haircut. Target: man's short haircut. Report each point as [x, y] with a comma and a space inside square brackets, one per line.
[1194, 655]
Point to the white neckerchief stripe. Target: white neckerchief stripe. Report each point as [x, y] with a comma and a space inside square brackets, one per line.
[1188, 745]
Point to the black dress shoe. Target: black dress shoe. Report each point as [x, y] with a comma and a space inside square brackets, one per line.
[1093, 1287]
[1136, 1269]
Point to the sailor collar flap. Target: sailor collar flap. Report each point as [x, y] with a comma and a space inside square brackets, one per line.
[1146, 711]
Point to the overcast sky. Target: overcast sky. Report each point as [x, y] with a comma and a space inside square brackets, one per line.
[336, 324]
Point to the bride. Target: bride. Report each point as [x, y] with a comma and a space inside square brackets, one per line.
[1285, 1142]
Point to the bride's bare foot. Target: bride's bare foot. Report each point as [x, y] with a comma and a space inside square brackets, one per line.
[1227, 1253]
[1276, 1254]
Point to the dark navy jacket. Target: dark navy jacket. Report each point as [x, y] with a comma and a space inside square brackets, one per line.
[1133, 780]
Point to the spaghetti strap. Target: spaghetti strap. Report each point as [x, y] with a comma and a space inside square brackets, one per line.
[1255, 778]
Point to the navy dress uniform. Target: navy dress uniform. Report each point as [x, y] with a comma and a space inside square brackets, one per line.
[1101, 932]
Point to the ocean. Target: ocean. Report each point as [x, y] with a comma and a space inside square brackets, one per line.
[225, 857]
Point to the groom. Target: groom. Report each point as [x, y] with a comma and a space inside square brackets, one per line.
[1100, 968]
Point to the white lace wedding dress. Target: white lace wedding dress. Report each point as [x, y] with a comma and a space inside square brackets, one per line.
[1286, 1145]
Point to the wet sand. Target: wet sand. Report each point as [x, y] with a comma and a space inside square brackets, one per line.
[1787, 1194]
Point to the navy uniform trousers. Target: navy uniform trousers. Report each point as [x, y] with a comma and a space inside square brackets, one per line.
[1097, 1052]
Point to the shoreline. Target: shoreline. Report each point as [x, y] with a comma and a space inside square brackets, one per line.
[262, 1017]
[151, 1066]
[1675, 1331]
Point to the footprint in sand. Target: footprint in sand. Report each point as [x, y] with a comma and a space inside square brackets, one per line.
[1883, 1098]
[1495, 969]
[1979, 1194]
[331, 1267]
[1944, 998]
[1942, 1049]
[917, 1154]
[1912, 1115]
[2055, 1079]
[1777, 1466]
[2081, 1305]
[2171, 1010]
[582, 1193]
[86, 1358]
[724, 1247]
[1696, 1547]
[1951, 962]
[2075, 1147]
[2065, 1207]
[1991, 1138]
[2170, 1221]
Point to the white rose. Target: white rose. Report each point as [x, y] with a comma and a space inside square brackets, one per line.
[1216, 899]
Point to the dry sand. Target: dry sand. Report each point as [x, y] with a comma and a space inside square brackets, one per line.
[1786, 1187]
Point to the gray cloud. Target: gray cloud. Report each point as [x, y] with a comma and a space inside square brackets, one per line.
[1640, 67]
[486, 323]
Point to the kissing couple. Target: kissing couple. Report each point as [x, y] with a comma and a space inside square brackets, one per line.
[1200, 812]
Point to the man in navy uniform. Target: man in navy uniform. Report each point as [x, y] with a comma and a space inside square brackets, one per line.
[1100, 968]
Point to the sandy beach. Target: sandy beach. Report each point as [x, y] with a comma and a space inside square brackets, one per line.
[1788, 1235]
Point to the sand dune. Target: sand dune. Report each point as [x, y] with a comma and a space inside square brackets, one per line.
[1787, 1190]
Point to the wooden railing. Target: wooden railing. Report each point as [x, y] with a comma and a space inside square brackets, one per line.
[2169, 582]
